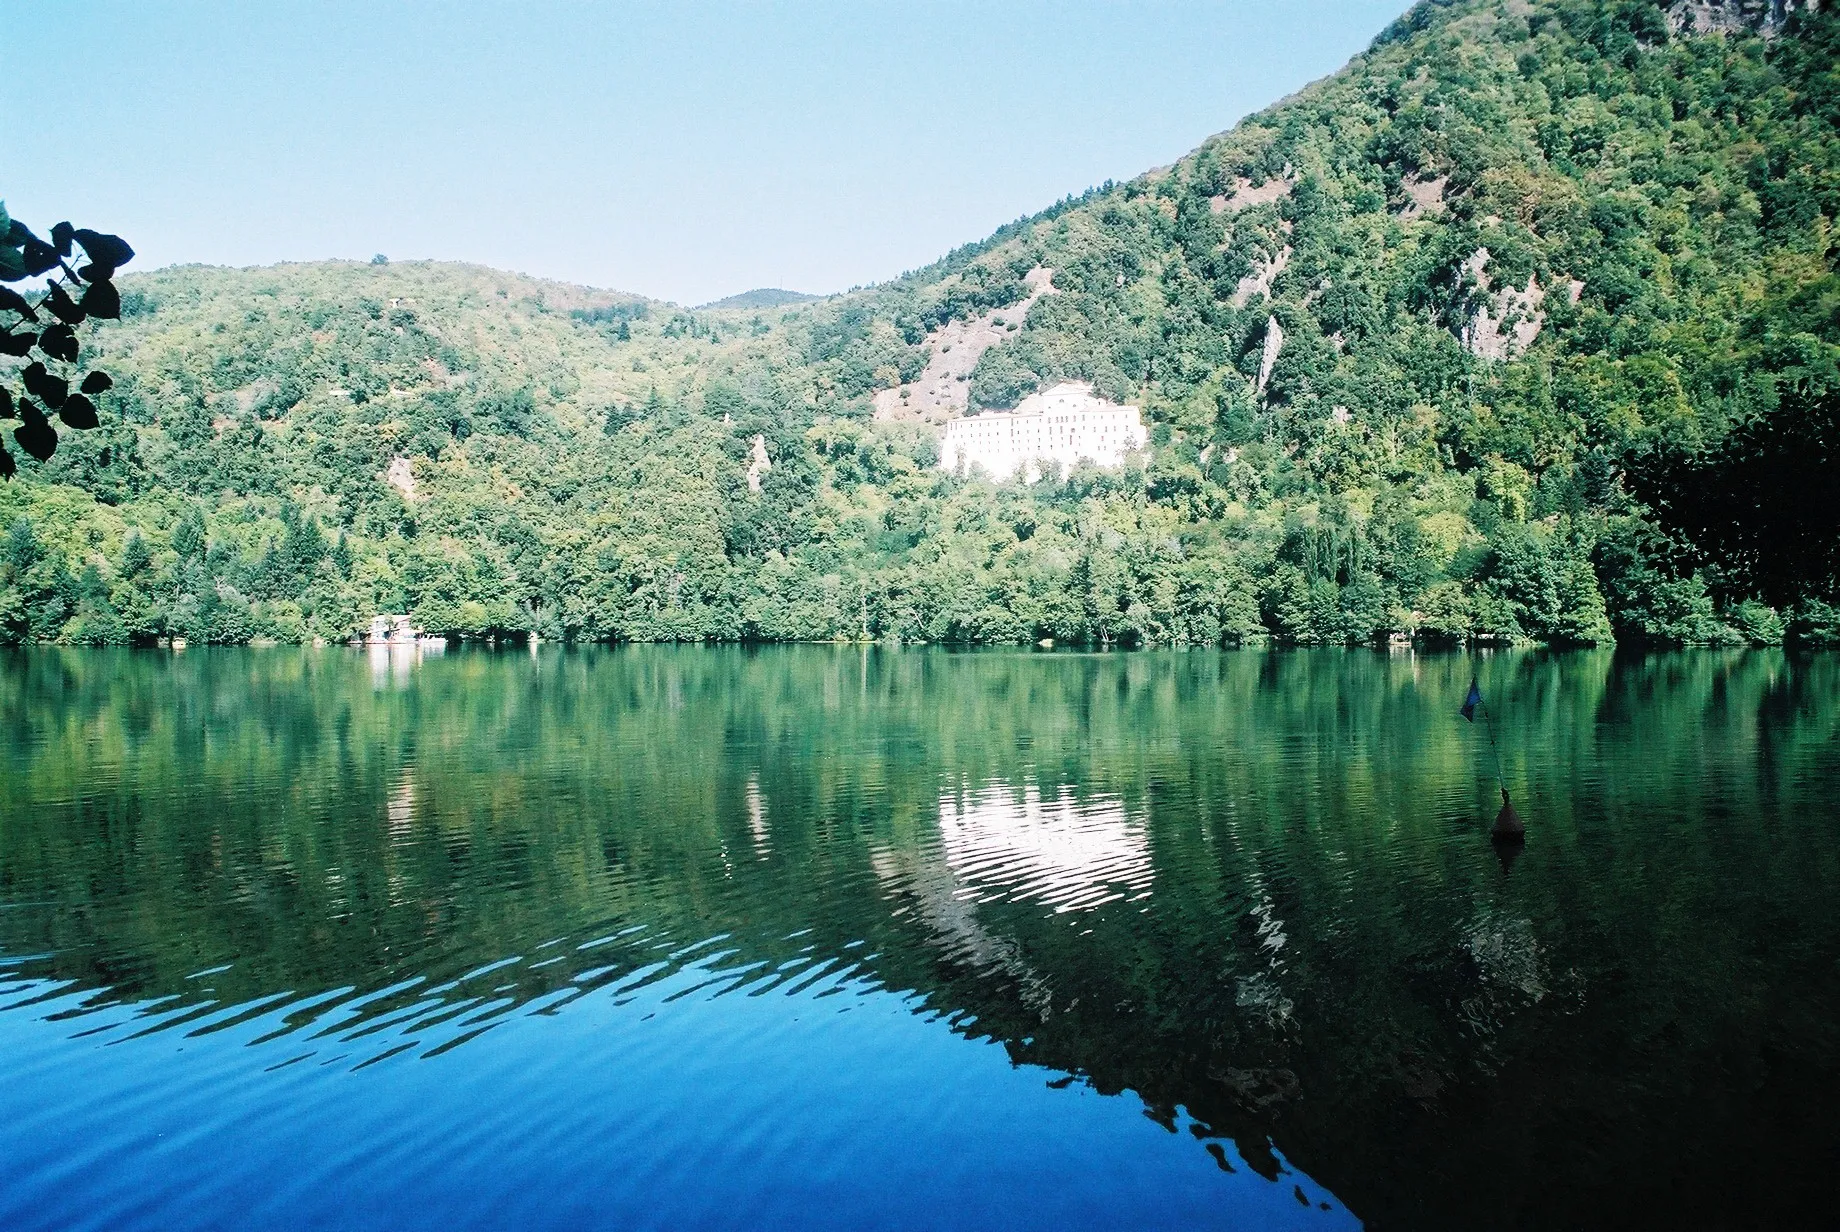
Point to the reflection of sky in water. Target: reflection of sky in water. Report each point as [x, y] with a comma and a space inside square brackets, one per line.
[654, 1101]
[1067, 852]
[676, 1085]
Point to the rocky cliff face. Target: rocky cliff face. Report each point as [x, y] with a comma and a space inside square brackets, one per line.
[1765, 17]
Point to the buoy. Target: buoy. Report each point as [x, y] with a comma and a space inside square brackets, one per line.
[1508, 827]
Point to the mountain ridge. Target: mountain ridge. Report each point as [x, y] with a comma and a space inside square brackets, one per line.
[759, 297]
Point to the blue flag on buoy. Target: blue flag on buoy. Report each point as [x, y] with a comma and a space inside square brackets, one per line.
[1472, 701]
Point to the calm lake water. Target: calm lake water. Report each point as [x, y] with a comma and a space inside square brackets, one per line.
[812, 936]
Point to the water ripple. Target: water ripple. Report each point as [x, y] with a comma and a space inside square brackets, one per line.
[518, 929]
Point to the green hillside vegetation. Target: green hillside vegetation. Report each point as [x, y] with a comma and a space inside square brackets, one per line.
[1527, 260]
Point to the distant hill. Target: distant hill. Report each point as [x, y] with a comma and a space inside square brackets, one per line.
[1413, 346]
[762, 297]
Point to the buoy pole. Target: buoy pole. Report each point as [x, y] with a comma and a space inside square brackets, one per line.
[1488, 725]
[1508, 827]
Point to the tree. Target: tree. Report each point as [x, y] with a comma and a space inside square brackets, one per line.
[1760, 507]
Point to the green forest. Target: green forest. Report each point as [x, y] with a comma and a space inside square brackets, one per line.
[1480, 338]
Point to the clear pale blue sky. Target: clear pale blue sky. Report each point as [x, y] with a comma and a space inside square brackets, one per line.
[684, 150]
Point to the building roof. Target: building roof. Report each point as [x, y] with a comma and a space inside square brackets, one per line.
[1036, 403]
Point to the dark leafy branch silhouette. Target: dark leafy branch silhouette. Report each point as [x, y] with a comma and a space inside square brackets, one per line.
[47, 324]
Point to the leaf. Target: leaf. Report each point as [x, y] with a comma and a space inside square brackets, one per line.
[12, 265]
[13, 301]
[39, 256]
[51, 390]
[6, 403]
[59, 342]
[17, 344]
[18, 233]
[102, 459]
[98, 382]
[78, 412]
[8, 467]
[61, 235]
[62, 306]
[107, 252]
[102, 300]
[36, 436]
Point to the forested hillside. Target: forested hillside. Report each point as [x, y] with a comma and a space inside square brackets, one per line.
[1430, 348]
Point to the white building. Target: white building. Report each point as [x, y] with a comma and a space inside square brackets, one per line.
[1062, 426]
[393, 629]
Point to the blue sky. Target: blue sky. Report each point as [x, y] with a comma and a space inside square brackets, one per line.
[684, 150]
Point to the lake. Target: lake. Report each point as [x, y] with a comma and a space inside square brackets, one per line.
[668, 937]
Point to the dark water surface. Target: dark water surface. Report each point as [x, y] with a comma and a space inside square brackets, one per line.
[685, 937]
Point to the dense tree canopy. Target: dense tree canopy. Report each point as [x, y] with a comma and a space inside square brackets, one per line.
[1524, 273]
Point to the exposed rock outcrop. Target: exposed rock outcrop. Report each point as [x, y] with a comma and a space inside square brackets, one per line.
[758, 463]
[1246, 194]
[401, 476]
[1423, 196]
[943, 388]
[1259, 281]
[1507, 322]
[1504, 322]
[1274, 346]
[1765, 17]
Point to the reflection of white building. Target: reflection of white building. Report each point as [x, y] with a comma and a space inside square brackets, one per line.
[1009, 844]
[1063, 425]
[393, 663]
[757, 818]
[1068, 853]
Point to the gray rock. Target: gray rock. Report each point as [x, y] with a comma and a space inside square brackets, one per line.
[1765, 17]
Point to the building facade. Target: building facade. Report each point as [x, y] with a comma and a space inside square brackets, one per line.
[1061, 426]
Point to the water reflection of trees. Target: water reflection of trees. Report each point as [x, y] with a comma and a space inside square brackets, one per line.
[1282, 918]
